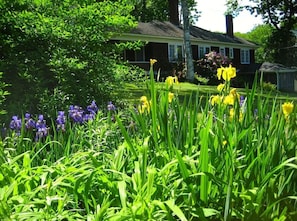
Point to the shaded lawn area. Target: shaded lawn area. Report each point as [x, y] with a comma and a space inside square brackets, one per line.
[131, 92]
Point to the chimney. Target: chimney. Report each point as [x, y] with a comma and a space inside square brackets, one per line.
[229, 26]
[173, 12]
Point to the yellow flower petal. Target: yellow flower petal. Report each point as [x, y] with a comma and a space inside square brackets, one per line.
[170, 97]
[215, 99]
[229, 99]
[220, 87]
[287, 108]
[220, 72]
[153, 61]
[143, 99]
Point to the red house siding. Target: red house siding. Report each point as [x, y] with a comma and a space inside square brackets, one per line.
[236, 59]
[195, 52]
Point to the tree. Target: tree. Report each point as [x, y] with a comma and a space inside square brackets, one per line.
[282, 16]
[187, 41]
[259, 35]
[149, 10]
[52, 49]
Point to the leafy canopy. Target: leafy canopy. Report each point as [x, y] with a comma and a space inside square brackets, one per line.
[58, 46]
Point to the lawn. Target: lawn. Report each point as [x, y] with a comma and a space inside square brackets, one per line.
[133, 91]
[173, 156]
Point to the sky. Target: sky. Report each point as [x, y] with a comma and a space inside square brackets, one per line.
[212, 17]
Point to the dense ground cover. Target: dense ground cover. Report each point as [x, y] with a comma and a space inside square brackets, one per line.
[230, 158]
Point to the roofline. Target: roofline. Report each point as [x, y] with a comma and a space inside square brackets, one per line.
[279, 71]
[166, 39]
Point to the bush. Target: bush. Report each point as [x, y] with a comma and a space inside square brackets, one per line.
[268, 86]
[207, 66]
[62, 47]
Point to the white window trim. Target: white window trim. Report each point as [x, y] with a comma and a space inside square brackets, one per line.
[175, 57]
[224, 51]
[245, 57]
[204, 50]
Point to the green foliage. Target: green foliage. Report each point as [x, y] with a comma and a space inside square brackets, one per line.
[281, 16]
[176, 160]
[50, 46]
[3, 93]
[260, 35]
[278, 13]
[129, 73]
[283, 50]
[279, 45]
[149, 10]
[267, 86]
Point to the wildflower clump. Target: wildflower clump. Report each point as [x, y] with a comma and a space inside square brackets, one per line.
[76, 115]
[227, 97]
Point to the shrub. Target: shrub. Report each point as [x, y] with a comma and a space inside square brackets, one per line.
[207, 66]
[268, 86]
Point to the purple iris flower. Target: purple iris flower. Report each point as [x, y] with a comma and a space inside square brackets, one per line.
[61, 120]
[15, 124]
[41, 128]
[111, 106]
[87, 117]
[29, 122]
[76, 114]
[93, 108]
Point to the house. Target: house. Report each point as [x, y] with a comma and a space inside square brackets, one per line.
[164, 42]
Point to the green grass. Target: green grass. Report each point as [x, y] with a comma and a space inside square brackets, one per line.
[133, 91]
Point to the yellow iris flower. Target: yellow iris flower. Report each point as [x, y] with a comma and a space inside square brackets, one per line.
[216, 99]
[153, 61]
[229, 99]
[171, 80]
[170, 97]
[220, 87]
[145, 106]
[287, 108]
[226, 73]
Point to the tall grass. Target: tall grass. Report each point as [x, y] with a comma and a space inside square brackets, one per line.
[171, 160]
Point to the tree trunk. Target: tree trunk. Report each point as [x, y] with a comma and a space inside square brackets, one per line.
[187, 41]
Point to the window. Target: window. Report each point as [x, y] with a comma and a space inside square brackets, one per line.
[175, 52]
[203, 50]
[138, 55]
[222, 51]
[244, 56]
